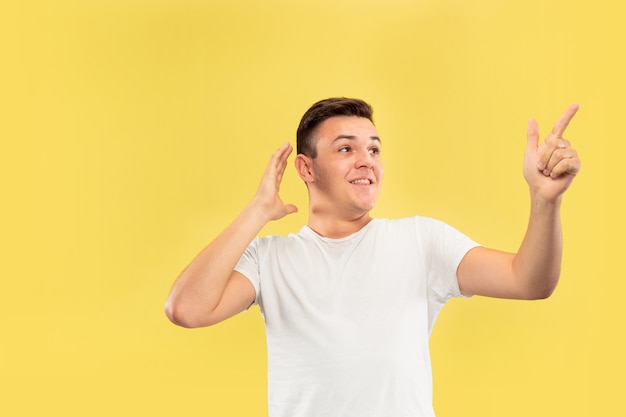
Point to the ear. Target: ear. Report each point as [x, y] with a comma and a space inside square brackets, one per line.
[304, 167]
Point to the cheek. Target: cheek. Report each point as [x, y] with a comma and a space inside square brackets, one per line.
[324, 176]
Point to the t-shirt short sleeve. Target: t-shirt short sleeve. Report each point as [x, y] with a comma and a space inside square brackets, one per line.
[446, 247]
[248, 265]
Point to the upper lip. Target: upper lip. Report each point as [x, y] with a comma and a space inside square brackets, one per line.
[370, 179]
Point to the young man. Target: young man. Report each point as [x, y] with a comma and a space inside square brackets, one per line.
[349, 301]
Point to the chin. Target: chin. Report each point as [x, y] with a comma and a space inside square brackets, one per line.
[366, 207]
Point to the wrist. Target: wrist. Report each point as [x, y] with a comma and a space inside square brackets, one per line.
[258, 211]
[539, 202]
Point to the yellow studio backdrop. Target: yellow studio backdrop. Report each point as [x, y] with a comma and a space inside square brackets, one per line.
[133, 131]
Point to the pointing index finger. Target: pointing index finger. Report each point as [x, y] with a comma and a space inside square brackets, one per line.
[564, 120]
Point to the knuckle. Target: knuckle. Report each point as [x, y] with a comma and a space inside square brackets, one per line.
[558, 154]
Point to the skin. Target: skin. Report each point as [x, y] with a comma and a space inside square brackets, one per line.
[345, 178]
[533, 272]
[344, 181]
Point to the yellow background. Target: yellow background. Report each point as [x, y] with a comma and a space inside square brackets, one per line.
[134, 130]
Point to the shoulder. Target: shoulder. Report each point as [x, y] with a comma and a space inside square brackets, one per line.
[422, 228]
[278, 241]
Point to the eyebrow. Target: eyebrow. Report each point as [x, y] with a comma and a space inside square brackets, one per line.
[352, 137]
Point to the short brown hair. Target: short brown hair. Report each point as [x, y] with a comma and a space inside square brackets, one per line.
[325, 109]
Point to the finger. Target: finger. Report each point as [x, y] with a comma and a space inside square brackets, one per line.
[559, 154]
[280, 173]
[564, 120]
[533, 134]
[290, 208]
[566, 166]
[275, 158]
[547, 149]
[282, 153]
[286, 150]
[281, 164]
[279, 157]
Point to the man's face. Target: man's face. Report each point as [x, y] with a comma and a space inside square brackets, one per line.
[347, 171]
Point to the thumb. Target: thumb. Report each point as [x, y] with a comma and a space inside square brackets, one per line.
[533, 135]
[290, 208]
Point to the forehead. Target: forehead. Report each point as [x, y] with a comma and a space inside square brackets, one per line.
[334, 127]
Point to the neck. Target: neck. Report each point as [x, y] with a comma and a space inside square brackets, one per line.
[336, 227]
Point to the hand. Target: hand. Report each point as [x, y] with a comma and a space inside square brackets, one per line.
[267, 196]
[550, 168]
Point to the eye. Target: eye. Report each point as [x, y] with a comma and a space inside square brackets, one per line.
[344, 149]
[375, 150]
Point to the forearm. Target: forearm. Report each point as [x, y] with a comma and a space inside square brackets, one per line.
[199, 288]
[533, 272]
[537, 264]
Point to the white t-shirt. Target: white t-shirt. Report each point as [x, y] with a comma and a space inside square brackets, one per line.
[348, 320]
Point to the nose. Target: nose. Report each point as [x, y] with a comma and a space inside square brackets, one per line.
[364, 159]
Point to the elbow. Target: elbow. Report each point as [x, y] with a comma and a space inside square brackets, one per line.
[541, 295]
[543, 292]
[181, 315]
[174, 314]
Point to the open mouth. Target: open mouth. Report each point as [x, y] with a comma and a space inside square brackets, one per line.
[361, 181]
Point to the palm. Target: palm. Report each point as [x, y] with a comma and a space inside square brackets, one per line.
[268, 193]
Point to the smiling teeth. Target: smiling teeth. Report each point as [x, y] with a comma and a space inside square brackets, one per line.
[364, 181]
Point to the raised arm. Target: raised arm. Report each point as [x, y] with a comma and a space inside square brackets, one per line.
[533, 272]
[209, 290]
